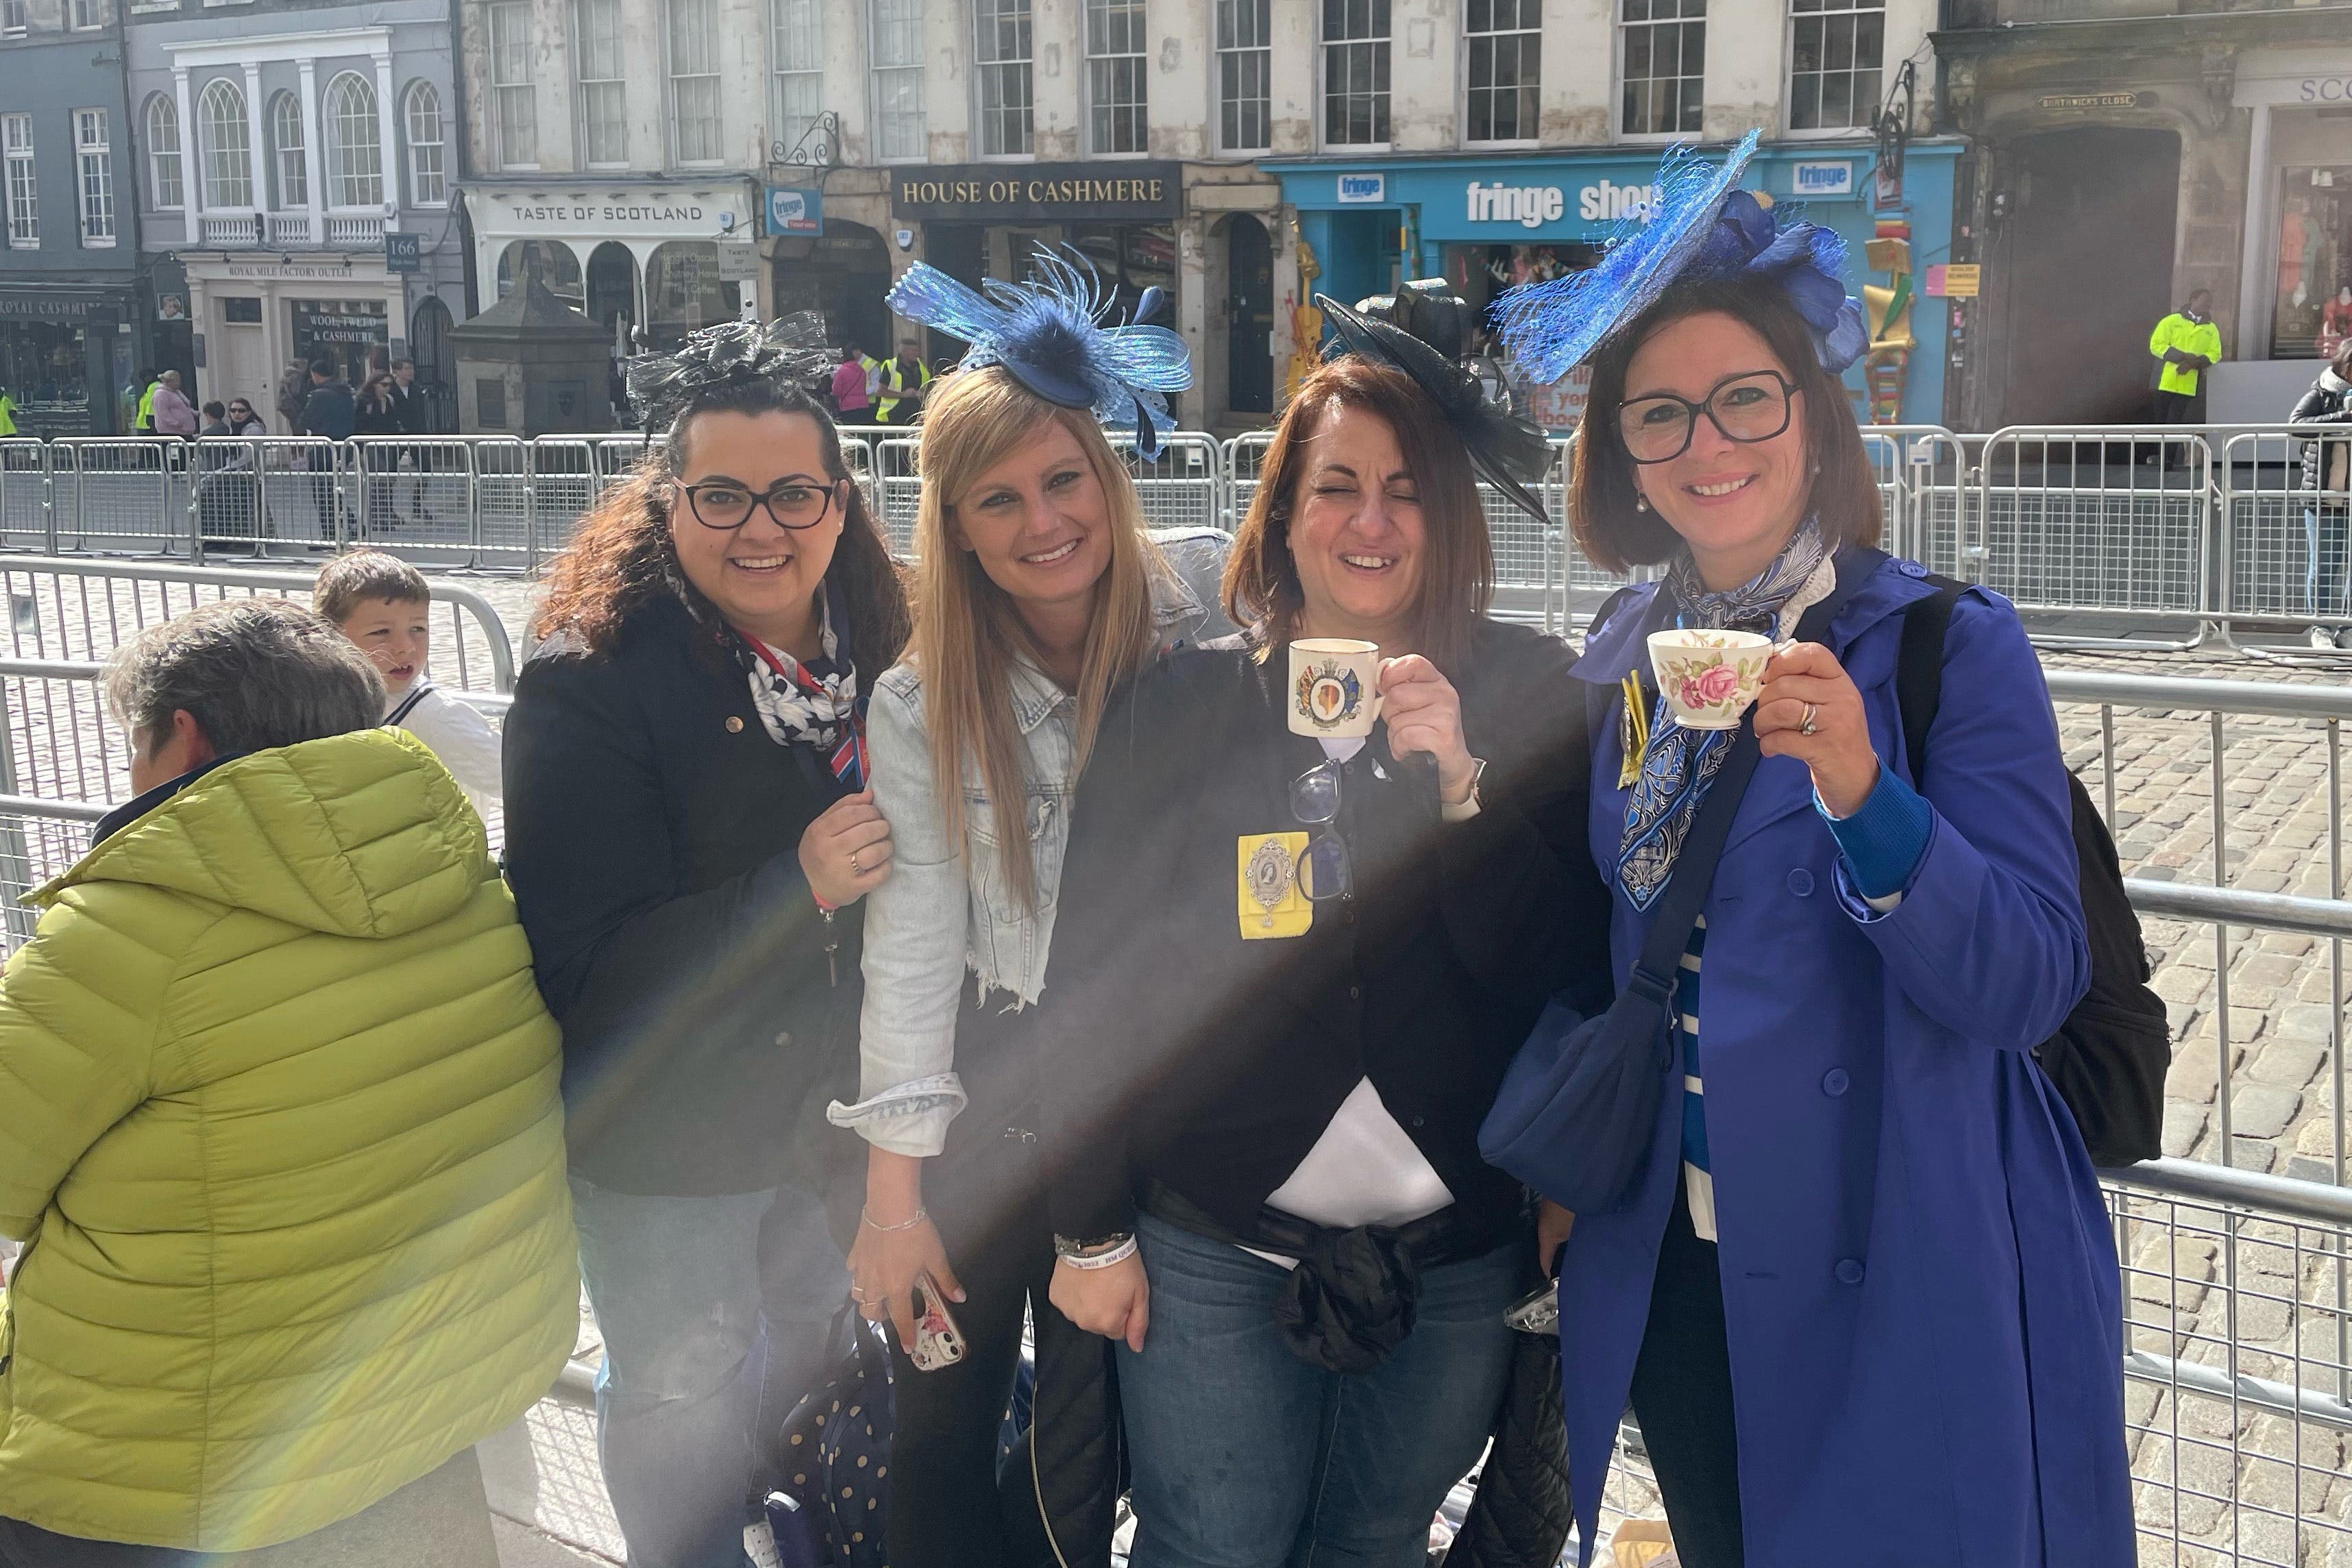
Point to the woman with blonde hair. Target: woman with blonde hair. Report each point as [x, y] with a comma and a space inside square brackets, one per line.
[1038, 592]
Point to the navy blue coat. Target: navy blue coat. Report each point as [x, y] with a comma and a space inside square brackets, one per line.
[1919, 1281]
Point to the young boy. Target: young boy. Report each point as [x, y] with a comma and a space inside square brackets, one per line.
[382, 603]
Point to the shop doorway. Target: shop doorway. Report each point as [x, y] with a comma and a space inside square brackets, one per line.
[1249, 294]
[428, 345]
[240, 360]
[843, 275]
[611, 287]
[2086, 260]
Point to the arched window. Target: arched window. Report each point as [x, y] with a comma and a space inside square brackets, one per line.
[227, 149]
[163, 175]
[286, 150]
[428, 183]
[355, 151]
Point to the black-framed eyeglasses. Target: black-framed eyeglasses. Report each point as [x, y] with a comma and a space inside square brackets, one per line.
[1747, 407]
[1323, 871]
[794, 501]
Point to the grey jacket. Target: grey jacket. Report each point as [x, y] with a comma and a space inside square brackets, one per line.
[946, 907]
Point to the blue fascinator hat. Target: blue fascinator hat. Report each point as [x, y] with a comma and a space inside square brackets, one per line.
[1049, 334]
[1419, 331]
[1698, 224]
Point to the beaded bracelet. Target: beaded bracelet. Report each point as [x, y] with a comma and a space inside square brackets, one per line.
[1120, 1254]
[868, 1221]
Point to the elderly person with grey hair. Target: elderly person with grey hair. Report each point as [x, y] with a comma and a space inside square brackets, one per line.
[280, 1125]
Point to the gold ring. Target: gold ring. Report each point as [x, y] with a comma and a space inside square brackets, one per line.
[854, 868]
[1805, 726]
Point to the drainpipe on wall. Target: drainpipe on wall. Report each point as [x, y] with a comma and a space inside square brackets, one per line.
[465, 168]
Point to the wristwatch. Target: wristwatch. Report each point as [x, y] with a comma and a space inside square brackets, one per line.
[1477, 772]
[1069, 1247]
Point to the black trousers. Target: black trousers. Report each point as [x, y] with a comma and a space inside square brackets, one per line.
[986, 1194]
[1682, 1399]
[2175, 407]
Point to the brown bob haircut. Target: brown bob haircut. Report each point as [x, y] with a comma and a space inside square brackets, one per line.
[1261, 589]
[1616, 535]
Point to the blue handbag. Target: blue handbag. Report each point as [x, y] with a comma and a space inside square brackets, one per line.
[1579, 1105]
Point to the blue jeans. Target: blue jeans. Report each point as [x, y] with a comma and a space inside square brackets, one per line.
[1245, 1457]
[2323, 531]
[716, 1314]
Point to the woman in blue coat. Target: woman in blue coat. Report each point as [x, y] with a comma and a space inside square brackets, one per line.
[1862, 1296]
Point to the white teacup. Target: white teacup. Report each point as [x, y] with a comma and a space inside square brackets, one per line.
[1335, 687]
[1709, 679]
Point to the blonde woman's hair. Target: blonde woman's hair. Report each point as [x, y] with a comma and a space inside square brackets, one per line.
[967, 628]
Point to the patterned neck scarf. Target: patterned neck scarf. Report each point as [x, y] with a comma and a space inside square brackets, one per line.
[1679, 763]
[815, 704]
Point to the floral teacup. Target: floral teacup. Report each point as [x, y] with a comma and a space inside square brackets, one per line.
[1709, 678]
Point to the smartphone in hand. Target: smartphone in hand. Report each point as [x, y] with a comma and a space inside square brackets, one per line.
[937, 1342]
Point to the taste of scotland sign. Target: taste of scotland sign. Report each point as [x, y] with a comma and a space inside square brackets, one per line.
[1040, 193]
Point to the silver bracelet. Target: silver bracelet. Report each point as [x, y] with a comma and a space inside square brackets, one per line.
[1120, 1254]
[868, 1221]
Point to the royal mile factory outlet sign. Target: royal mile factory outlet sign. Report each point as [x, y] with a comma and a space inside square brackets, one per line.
[1039, 193]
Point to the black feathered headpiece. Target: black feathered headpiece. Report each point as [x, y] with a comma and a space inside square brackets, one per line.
[1510, 452]
[791, 349]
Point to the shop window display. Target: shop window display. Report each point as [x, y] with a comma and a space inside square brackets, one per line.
[2313, 315]
[1131, 258]
[45, 366]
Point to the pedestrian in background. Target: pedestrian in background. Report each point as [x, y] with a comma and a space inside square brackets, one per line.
[215, 419]
[293, 390]
[143, 420]
[168, 410]
[1856, 1277]
[2186, 344]
[281, 1123]
[690, 831]
[904, 379]
[2328, 486]
[329, 413]
[850, 404]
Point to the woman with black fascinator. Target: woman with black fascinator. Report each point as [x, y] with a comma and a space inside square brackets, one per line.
[1322, 879]
[690, 828]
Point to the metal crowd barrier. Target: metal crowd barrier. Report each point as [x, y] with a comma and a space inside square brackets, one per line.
[66, 617]
[2149, 536]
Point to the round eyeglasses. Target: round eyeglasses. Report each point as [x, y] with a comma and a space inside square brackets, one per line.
[794, 501]
[1748, 407]
[1323, 871]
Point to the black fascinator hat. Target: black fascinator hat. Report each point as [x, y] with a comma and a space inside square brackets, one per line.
[1419, 329]
[791, 349]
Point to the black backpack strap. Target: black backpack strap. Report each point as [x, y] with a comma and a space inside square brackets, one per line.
[1919, 667]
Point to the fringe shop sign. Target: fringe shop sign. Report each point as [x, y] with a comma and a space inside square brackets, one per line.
[1039, 193]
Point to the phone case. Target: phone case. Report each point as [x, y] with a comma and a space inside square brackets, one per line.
[1537, 1313]
[937, 1342]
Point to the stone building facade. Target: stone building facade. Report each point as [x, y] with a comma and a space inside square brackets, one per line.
[1239, 154]
[75, 327]
[2126, 156]
[295, 171]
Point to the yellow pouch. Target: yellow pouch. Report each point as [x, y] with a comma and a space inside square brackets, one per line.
[1267, 880]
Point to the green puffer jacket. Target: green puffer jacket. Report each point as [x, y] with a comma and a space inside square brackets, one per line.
[278, 1112]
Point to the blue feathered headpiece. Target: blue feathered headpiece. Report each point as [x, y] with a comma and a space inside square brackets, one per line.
[1697, 224]
[1049, 334]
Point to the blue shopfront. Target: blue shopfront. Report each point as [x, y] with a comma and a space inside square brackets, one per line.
[1490, 222]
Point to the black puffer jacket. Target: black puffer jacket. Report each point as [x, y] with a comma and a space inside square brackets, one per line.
[653, 831]
[2329, 402]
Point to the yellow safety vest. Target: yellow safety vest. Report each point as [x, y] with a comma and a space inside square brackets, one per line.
[894, 382]
[7, 416]
[147, 406]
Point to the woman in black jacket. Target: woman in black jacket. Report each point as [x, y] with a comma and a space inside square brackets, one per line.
[1294, 970]
[689, 829]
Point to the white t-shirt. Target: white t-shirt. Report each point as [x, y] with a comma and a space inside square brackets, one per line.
[1365, 1169]
[458, 735]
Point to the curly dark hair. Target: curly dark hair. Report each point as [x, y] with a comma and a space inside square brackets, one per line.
[622, 559]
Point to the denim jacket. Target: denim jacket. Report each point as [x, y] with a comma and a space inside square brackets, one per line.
[946, 907]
